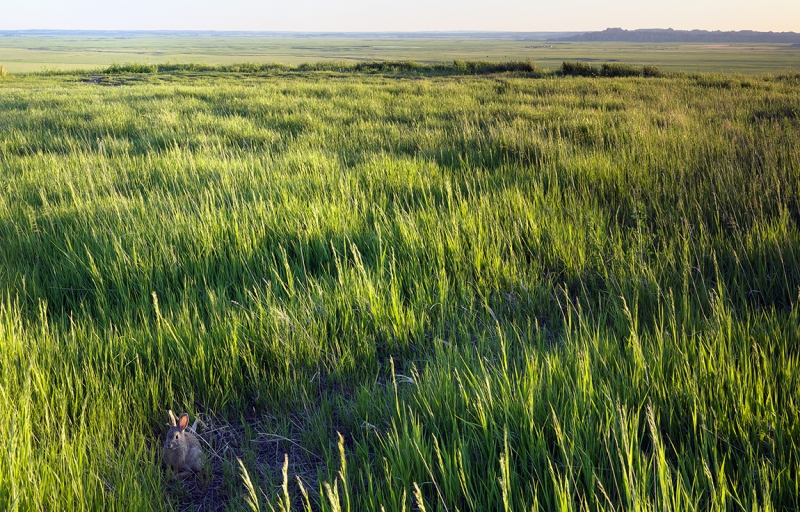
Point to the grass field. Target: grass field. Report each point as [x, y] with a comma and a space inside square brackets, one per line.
[503, 292]
[29, 53]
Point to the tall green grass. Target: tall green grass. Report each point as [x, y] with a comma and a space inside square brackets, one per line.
[503, 293]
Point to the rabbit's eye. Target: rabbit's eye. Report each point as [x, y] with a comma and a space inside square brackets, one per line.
[176, 435]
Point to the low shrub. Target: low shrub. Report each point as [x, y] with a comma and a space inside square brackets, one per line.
[332, 65]
[579, 69]
[134, 67]
[483, 67]
[388, 66]
[616, 70]
[242, 67]
[610, 70]
[652, 72]
[166, 68]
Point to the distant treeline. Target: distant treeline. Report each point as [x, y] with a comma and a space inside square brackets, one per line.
[610, 70]
[686, 36]
[455, 67]
[461, 67]
[117, 74]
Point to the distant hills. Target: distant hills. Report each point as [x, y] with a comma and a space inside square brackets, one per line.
[657, 35]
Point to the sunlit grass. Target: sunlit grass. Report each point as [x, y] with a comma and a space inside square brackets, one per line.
[503, 292]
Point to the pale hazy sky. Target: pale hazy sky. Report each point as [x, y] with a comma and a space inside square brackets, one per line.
[396, 15]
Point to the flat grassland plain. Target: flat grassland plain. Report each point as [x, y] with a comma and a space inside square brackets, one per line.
[28, 52]
[514, 291]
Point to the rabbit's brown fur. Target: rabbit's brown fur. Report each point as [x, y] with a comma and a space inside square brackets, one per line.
[182, 451]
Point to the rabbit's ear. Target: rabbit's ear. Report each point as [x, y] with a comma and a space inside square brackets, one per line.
[183, 421]
[172, 421]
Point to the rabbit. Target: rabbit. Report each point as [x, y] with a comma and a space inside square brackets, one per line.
[182, 451]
